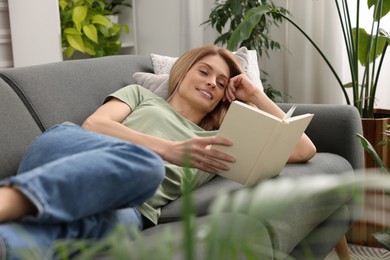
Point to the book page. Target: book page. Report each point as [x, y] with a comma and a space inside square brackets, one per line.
[281, 144]
[248, 133]
[262, 143]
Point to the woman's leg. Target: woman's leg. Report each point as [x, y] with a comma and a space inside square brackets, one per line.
[69, 173]
[14, 205]
[29, 237]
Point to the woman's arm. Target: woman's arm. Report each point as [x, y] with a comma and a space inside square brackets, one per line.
[242, 88]
[107, 120]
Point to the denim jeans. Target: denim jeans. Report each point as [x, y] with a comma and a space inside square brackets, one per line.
[82, 184]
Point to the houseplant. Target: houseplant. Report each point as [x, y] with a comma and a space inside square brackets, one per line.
[86, 29]
[365, 48]
[227, 15]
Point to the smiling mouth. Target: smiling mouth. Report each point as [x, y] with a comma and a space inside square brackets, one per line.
[205, 93]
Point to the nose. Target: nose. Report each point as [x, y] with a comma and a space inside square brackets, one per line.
[212, 83]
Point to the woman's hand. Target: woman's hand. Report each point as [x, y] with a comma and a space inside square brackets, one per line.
[196, 153]
[242, 88]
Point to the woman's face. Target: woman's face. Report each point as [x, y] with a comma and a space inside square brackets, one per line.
[204, 84]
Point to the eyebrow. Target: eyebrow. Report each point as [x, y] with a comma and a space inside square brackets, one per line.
[210, 67]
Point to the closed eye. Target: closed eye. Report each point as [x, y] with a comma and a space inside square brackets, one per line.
[221, 84]
[203, 72]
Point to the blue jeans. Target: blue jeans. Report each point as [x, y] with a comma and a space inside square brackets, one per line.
[82, 184]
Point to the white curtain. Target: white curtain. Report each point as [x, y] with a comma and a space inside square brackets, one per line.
[299, 71]
[193, 14]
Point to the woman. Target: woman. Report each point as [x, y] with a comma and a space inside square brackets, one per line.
[78, 182]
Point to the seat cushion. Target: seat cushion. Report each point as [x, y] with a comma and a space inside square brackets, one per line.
[221, 232]
[321, 163]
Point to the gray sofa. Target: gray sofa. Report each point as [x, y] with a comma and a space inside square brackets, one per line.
[34, 98]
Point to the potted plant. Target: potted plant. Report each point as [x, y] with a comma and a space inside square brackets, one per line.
[86, 29]
[227, 15]
[365, 48]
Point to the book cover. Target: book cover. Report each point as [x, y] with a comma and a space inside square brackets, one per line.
[262, 143]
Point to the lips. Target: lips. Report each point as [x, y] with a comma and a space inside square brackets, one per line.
[205, 93]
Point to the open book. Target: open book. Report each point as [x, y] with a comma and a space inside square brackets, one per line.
[262, 143]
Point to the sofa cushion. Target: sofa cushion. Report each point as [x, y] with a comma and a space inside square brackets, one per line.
[17, 130]
[154, 236]
[72, 90]
[158, 84]
[321, 163]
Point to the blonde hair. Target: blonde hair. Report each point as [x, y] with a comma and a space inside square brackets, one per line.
[212, 120]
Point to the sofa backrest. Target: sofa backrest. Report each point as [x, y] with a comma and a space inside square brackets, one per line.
[17, 129]
[34, 98]
[72, 90]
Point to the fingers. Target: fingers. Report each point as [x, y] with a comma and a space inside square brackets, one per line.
[205, 158]
[229, 94]
[210, 166]
[231, 89]
[240, 87]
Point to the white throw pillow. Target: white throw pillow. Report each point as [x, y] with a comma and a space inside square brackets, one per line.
[247, 58]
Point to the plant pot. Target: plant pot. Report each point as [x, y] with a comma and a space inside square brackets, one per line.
[361, 232]
[373, 130]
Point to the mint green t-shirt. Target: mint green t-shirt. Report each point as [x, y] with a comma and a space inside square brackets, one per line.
[152, 115]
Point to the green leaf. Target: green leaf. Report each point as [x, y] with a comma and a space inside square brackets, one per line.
[383, 238]
[101, 4]
[348, 85]
[244, 30]
[76, 41]
[371, 150]
[91, 32]
[366, 46]
[63, 4]
[89, 48]
[385, 8]
[79, 2]
[69, 51]
[103, 30]
[236, 7]
[115, 29]
[79, 15]
[72, 31]
[125, 28]
[100, 19]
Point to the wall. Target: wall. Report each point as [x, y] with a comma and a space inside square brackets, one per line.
[36, 42]
[5, 37]
[171, 27]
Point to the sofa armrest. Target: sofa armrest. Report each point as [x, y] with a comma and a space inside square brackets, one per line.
[333, 130]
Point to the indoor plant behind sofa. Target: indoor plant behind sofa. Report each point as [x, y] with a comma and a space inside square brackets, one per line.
[44, 95]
